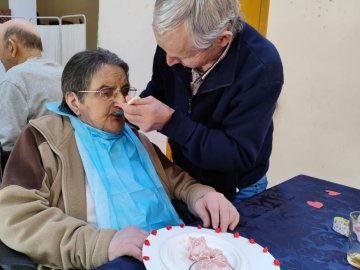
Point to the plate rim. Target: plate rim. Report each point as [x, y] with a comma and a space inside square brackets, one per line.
[239, 242]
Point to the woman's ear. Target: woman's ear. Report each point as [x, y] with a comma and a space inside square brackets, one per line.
[225, 38]
[72, 101]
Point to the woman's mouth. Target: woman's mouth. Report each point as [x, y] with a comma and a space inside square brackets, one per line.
[119, 113]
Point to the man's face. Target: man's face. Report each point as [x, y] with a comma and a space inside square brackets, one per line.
[178, 48]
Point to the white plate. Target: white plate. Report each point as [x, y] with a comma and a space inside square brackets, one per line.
[167, 249]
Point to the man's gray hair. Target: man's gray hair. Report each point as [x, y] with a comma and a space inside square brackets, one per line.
[205, 19]
[29, 40]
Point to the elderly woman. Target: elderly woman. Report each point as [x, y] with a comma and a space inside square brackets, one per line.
[82, 188]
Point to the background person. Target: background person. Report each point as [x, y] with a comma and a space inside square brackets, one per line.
[213, 93]
[29, 82]
[90, 188]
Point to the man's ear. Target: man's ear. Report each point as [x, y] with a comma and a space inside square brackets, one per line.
[72, 101]
[225, 38]
[12, 47]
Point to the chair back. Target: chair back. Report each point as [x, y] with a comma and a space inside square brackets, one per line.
[1, 167]
[4, 155]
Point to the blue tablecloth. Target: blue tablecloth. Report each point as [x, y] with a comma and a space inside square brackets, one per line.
[299, 235]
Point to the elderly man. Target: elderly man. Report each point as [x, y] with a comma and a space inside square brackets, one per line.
[213, 92]
[29, 82]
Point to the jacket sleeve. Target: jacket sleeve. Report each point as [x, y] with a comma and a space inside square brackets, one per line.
[32, 224]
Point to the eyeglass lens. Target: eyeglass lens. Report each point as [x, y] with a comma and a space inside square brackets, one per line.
[109, 93]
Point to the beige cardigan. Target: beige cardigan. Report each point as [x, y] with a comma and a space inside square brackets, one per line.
[43, 200]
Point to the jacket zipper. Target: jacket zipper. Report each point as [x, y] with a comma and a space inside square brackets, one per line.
[189, 106]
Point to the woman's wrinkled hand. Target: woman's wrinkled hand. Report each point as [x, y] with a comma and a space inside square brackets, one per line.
[214, 209]
[127, 242]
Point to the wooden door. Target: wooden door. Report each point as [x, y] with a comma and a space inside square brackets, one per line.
[256, 13]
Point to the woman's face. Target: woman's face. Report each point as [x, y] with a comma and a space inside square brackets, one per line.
[98, 110]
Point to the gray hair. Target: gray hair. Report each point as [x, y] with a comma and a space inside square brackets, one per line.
[29, 40]
[80, 69]
[205, 19]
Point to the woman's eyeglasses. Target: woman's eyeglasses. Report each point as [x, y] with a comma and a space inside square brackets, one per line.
[109, 93]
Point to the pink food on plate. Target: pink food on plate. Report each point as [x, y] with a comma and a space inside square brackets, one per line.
[198, 250]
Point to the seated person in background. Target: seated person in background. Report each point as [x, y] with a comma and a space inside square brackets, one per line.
[29, 82]
[90, 188]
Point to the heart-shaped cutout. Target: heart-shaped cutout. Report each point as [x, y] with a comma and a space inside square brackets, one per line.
[332, 193]
[315, 204]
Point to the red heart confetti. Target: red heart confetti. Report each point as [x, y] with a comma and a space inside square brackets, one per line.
[252, 241]
[146, 258]
[168, 227]
[276, 262]
[154, 232]
[237, 235]
[315, 204]
[218, 230]
[332, 193]
[182, 225]
[147, 242]
[199, 226]
[265, 249]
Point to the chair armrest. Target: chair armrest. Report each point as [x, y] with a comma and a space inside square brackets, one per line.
[11, 259]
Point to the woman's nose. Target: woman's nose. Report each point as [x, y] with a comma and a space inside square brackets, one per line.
[119, 98]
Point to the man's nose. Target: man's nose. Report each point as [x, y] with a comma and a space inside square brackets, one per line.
[172, 60]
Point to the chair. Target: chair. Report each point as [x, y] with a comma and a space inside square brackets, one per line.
[13, 260]
[9, 258]
[1, 167]
[4, 155]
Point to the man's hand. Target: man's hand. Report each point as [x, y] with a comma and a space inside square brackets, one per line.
[128, 241]
[147, 113]
[214, 209]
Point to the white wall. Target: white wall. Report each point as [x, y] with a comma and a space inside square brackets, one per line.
[318, 117]
[125, 28]
[21, 8]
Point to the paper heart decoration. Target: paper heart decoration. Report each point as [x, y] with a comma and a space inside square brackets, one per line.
[332, 193]
[315, 204]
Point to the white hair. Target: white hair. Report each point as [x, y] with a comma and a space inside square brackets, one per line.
[205, 19]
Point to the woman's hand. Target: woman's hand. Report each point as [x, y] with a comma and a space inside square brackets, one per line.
[128, 241]
[214, 209]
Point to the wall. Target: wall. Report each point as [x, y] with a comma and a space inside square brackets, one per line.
[317, 119]
[125, 28]
[25, 9]
[4, 3]
[318, 116]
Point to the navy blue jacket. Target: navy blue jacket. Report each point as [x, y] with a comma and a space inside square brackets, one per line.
[223, 134]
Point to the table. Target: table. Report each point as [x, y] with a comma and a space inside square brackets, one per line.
[297, 234]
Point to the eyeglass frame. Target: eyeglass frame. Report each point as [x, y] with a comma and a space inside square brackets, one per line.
[114, 94]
